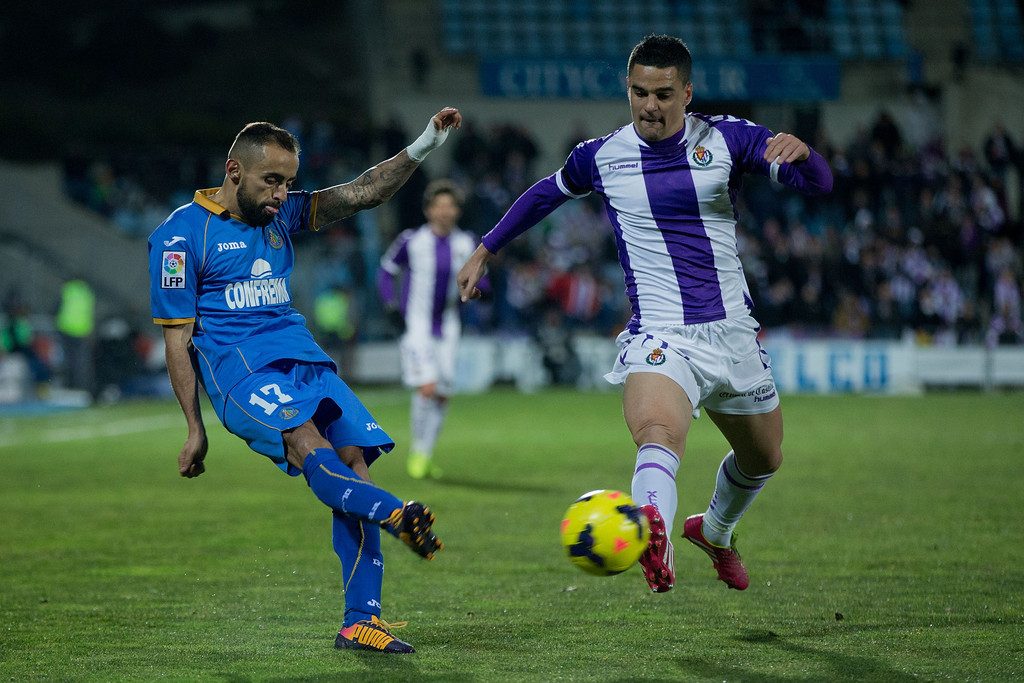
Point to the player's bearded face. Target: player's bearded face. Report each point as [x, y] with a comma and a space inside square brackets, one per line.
[264, 183]
[252, 207]
[657, 99]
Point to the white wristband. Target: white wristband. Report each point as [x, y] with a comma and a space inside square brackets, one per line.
[429, 140]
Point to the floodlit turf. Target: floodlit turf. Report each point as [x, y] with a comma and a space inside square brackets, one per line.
[890, 547]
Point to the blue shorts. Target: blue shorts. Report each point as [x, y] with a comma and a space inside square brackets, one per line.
[286, 394]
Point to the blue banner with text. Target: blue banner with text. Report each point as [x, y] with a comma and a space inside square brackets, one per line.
[771, 79]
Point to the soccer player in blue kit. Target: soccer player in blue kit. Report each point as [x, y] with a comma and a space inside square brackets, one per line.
[219, 285]
[669, 183]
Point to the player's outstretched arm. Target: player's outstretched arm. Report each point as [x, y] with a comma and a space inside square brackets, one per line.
[543, 197]
[378, 184]
[186, 388]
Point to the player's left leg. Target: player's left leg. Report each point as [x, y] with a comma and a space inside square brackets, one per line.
[357, 544]
[756, 454]
[427, 417]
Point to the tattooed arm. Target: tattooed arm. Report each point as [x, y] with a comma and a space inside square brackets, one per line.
[378, 184]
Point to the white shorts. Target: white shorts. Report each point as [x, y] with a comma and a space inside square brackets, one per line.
[429, 360]
[720, 365]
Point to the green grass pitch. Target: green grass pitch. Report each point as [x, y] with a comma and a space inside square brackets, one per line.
[890, 547]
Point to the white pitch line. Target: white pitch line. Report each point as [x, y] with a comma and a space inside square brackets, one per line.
[135, 425]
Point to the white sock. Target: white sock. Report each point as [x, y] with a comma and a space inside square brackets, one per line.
[436, 411]
[734, 492]
[419, 424]
[654, 481]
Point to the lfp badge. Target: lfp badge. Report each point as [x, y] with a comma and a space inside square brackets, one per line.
[173, 276]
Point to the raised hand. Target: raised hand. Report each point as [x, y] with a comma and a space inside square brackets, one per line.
[786, 148]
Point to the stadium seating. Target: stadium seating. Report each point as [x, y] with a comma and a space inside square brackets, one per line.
[996, 31]
[852, 29]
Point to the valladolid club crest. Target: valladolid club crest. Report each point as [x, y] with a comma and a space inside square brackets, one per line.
[656, 357]
[701, 155]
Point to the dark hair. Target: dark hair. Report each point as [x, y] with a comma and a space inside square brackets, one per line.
[662, 51]
[258, 134]
[439, 187]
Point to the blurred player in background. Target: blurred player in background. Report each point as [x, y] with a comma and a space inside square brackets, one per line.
[219, 284]
[669, 183]
[422, 262]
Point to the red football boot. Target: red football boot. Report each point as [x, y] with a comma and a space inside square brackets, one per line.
[726, 560]
[658, 561]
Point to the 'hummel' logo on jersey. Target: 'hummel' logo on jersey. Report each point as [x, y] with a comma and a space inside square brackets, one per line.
[174, 240]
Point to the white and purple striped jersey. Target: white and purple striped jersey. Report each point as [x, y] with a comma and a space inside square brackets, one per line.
[672, 205]
[426, 265]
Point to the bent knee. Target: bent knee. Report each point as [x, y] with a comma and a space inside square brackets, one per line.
[672, 436]
[761, 462]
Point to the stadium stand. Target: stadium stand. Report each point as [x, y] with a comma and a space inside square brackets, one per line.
[996, 29]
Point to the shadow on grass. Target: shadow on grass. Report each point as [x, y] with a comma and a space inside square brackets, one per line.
[489, 486]
[376, 667]
[819, 663]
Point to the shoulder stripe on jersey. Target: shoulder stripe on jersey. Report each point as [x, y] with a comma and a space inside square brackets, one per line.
[173, 321]
[206, 232]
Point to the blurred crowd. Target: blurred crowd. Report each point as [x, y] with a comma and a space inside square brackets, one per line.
[916, 241]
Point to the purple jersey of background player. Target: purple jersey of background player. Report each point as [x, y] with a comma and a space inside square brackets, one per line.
[426, 264]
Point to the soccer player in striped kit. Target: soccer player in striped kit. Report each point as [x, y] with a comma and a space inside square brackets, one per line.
[220, 272]
[669, 182]
[424, 260]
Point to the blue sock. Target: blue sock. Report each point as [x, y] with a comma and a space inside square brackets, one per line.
[357, 544]
[342, 490]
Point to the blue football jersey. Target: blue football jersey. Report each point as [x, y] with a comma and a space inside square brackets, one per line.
[233, 281]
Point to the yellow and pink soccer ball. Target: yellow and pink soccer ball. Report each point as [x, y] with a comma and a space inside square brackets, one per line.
[604, 532]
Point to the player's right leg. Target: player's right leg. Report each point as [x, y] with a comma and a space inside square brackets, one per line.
[339, 487]
[336, 484]
[658, 414]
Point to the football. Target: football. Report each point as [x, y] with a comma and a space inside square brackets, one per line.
[604, 532]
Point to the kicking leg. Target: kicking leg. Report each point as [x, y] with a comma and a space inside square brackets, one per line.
[658, 414]
[335, 482]
[342, 489]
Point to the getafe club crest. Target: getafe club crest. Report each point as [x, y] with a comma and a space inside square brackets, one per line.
[701, 156]
[274, 237]
[288, 413]
[656, 357]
